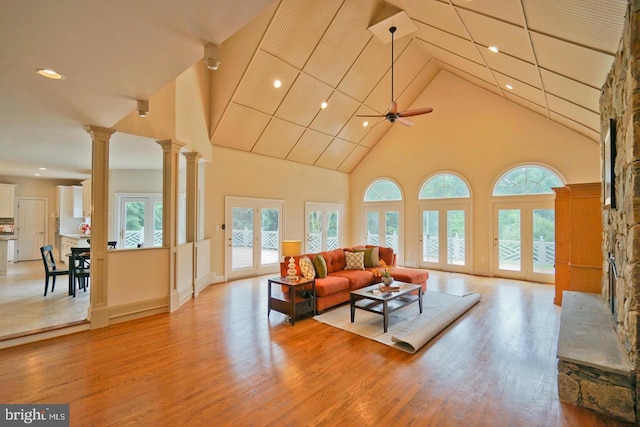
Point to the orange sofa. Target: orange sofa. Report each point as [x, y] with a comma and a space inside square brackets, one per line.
[334, 289]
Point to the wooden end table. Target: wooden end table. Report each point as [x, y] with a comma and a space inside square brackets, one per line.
[298, 299]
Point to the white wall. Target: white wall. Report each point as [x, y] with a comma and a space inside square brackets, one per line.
[478, 135]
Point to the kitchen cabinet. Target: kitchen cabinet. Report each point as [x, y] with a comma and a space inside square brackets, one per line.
[7, 195]
[72, 241]
[86, 198]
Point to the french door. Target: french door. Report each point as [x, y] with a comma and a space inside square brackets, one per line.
[444, 236]
[253, 235]
[384, 226]
[323, 225]
[140, 220]
[524, 240]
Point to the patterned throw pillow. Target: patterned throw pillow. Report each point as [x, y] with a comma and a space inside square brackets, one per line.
[307, 268]
[371, 256]
[355, 260]
[321, 266]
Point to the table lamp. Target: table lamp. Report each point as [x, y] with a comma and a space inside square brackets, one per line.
[291, 248]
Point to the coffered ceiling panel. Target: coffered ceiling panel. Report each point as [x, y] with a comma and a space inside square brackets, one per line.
[508, 38]
[297, 28]
[257, 91]
[343, 42]
[526, 103]
[354, 130]
[240, 128]
[458, 45]
[335, 154]
[278, 138]
[505, 10]
[434, 13]
[490, 86]
[511, 66]
[574, 112]
[377, 130]
[594, 23]
[571, 90]
[576, 62]
[595, 136]
[460, 63]
[520, 89]
[302, 102]
[339, 110]
[310, 147]
[352, 160]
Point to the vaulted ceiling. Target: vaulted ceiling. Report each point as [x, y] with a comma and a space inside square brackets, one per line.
[552, 58]
[554, 55]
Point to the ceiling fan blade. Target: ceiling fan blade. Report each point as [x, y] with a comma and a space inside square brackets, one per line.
[404, 122]
[415, 112]
[393, 107]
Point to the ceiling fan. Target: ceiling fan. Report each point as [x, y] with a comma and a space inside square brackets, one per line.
[392, 113]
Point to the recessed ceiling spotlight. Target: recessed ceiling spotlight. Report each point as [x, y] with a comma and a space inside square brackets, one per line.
[49, 73]
[277, 83]
[36, 174]
[365, 124]
[42, 169]
[143, 107]
[508, 86]
[324, 105]
[494, 49]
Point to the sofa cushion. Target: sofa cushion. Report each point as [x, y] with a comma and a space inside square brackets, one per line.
[331, 285]
[320, 266]
[307, 268]
[371, 256]
[334, 259]
[357, 278]
[354, 260]
[386, 254]
[410, 275]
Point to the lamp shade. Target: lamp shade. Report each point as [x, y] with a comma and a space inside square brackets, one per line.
[291, 248]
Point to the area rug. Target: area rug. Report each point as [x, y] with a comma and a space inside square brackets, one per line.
[408, 329]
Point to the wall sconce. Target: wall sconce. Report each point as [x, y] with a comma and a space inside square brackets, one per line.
[143, 107]
[212, 57]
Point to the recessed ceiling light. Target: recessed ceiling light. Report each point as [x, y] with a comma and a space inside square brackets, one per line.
[42, 169]
[365, 124]
[508, 86]
[49, 73]
[494, 49]
[277, 83]
[36, 174]
[323, 105]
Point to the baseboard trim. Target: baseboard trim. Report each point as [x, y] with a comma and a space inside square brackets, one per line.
[147, 308]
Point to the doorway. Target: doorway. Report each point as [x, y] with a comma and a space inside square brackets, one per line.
[31, 227]
[444, 236]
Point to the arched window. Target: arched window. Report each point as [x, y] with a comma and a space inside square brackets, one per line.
[529, 179]
[444, 186]
[383, 190]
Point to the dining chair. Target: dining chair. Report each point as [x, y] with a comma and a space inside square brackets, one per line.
[111, 244]
[80, 263]
[50, 268]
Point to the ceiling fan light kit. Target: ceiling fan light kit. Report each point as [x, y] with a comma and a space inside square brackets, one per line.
[393, 114]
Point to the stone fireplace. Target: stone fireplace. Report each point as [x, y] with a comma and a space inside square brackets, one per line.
[620, 101]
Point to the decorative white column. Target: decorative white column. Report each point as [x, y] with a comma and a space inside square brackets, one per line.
[98, 309]
[170, 172]
[192, 212]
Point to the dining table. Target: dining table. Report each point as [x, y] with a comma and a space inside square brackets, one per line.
[86, 258]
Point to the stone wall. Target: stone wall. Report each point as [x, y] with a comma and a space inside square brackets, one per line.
[620, 100]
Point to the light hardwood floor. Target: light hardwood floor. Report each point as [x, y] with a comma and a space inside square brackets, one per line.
[220, 361]
[26, 310]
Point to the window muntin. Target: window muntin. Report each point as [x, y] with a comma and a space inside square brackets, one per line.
[383, 190]
[444, 186]
[527, 180]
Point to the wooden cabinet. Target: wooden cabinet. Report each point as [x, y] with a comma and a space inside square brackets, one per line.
[86, 198]
[69, 201]
[68, 242]
[578, 239]
[7, 195]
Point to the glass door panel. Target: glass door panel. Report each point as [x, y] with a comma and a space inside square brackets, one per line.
[242, 238]
[430, 236]
[134, 219]
[314, 232]
[456, 237]
[373, 228]
[332, 230]
[544, 241]
[270, 236]
[509, 240]
[156, 238]
[392, 230]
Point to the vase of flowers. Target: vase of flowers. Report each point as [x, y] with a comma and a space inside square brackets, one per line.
[384, 273]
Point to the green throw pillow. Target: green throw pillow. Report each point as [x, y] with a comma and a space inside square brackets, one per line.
[321, 266]
[369, 262]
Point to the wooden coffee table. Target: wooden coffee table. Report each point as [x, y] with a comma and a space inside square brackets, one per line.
[385, 302]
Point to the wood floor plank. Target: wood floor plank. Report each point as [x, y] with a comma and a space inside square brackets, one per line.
[220, 360]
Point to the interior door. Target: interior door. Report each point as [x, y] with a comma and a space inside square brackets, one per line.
[253, 235]
[445, 236]
[31, 228]
[524, 240]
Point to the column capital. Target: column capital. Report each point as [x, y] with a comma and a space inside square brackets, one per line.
[170, 144]
[98, 132]
[192, 156]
